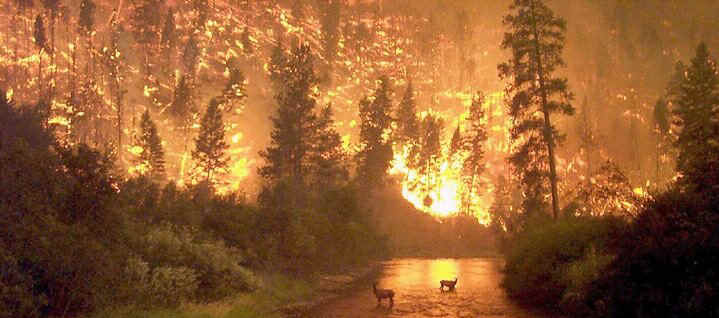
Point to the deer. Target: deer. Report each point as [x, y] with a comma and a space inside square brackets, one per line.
[448, 283]
[383, 293]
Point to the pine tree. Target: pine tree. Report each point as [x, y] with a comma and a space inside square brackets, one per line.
[474, 141]
[52, 6]
[327, 157]
[330, 22]
[294, 122]
[455, 144]
[536, 39]
[190, 55]
[152, 157]
[376, 154]
[210, 145]
[429, 155]
[146, 20]
[41, 43]
[407, 122]
[696, 108]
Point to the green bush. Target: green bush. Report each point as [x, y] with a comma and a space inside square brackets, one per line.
[542, 254]
[214, 267]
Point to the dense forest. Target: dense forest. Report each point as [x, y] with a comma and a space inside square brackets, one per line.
[155, 153]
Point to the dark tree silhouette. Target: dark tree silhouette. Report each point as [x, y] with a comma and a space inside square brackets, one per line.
[152, 157]
[376, 154]
[535, 39]
[210, 145]
[696, 107]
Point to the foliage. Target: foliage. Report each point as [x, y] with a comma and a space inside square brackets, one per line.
[376, 151]
[536, 40]
[696, 107]
[541, 255]
[664, 264]
[152, 157]
[210, 144]
[473, 143]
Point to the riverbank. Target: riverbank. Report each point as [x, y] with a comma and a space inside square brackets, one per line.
[279, 296]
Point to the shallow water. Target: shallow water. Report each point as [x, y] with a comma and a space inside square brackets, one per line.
[417, 294]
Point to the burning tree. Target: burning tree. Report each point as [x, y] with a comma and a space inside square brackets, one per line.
[536, 40]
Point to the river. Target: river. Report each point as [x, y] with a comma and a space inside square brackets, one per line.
[417, 294]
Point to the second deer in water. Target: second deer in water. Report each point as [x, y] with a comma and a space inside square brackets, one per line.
[448, 283]
[383, 293]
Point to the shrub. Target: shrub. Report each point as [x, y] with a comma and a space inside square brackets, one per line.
[542, 254]
[666, 263]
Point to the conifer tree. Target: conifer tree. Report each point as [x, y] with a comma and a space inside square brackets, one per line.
[375, 119]
[190, 55]
[406, 119]
[152, 157]
[295, 121]
[330, 22]
[474, 139]
[168, 38]
[327, 157]
[41, 42]
[210, 145]
[430, 152]
[696, 109]
[535, 39]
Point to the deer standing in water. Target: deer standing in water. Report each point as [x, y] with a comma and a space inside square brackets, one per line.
[383, 293]
[448, 283]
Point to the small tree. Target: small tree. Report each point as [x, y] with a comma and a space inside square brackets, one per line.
[152, 157]
[210, 145]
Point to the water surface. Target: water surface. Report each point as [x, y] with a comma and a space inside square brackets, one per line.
[417, 294]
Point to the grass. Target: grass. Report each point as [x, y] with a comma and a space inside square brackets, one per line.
[277, 291]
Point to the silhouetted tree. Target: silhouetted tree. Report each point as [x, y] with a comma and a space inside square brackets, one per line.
[41, 42]
[376, 153]
[430, 153]
[406, 118]
[294, 122]
[210, 145]
[696, 107]
[536, 39]
[152, 157]
[474, 139]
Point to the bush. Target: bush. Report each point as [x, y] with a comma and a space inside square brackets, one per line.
[542, 254]
[215, 266]
[666, 263]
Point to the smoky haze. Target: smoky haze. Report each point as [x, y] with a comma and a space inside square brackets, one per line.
[619, 55]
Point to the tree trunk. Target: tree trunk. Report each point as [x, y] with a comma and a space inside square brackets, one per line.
[548, 136]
